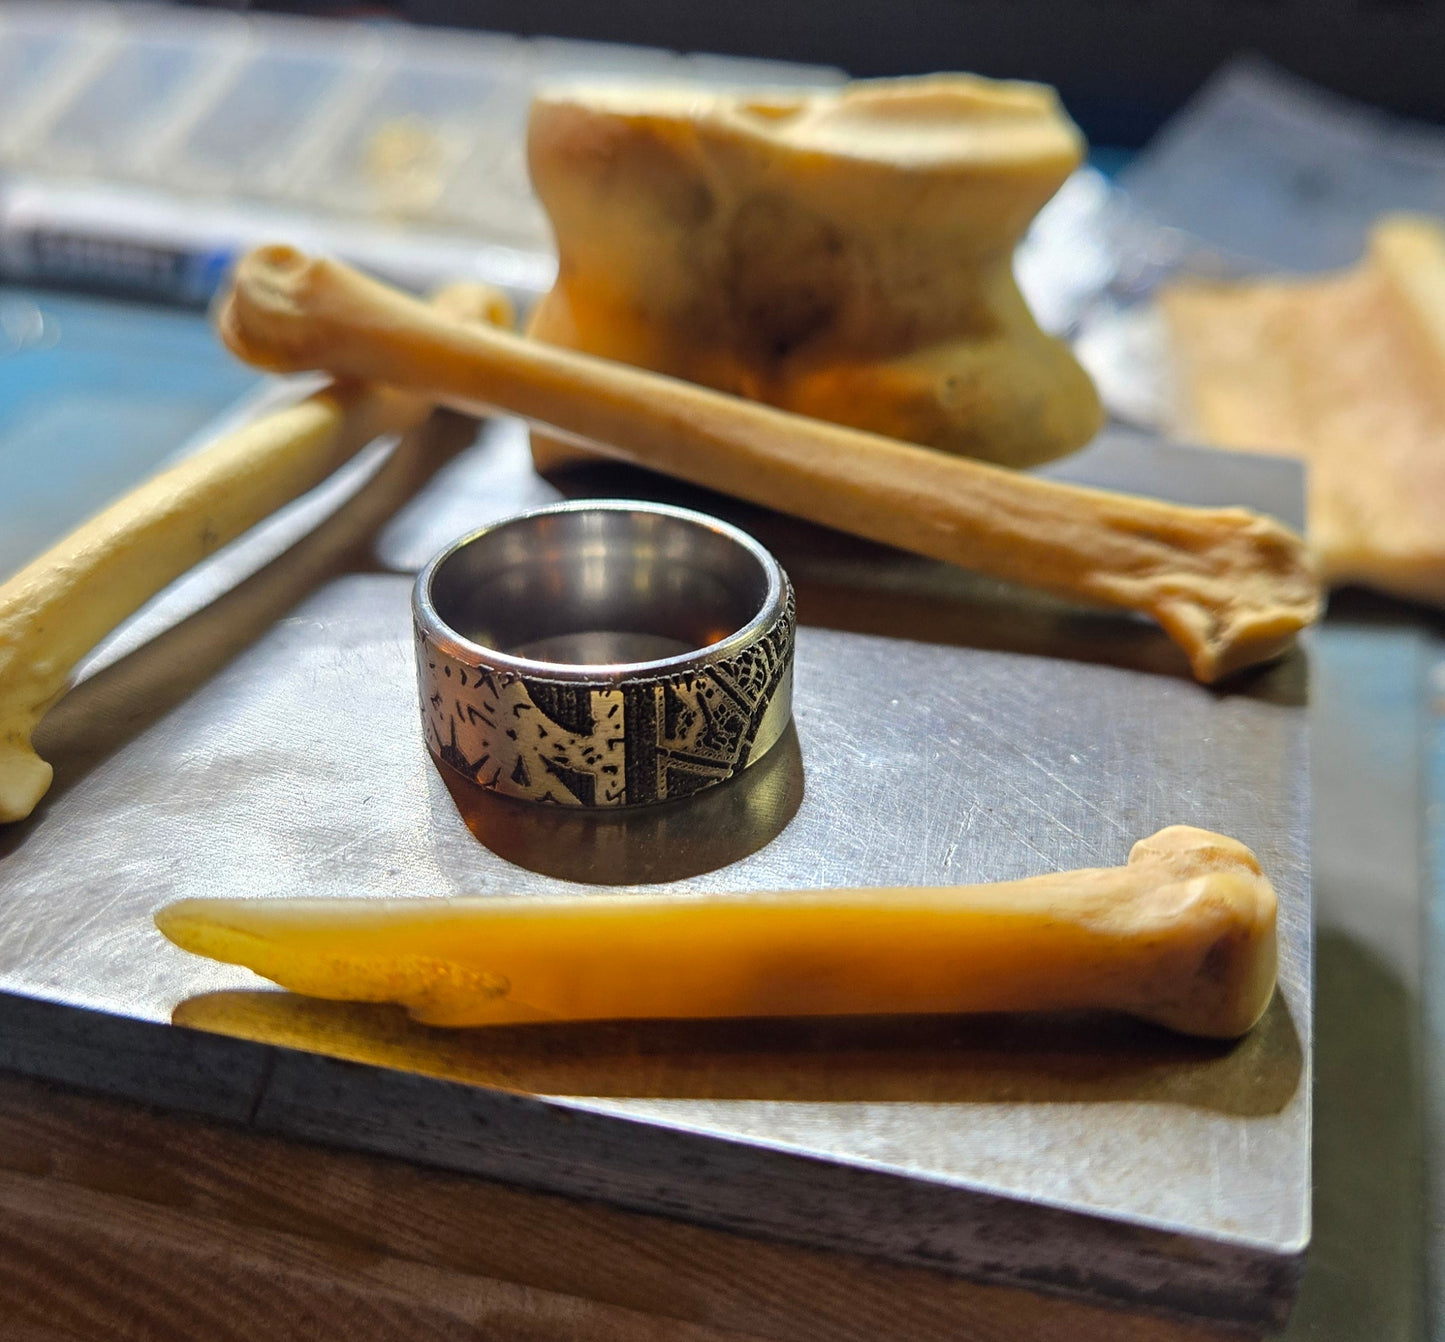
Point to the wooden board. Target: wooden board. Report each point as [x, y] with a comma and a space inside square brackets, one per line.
[121, 1222]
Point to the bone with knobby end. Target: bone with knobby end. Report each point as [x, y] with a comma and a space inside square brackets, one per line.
[1183, 936]
[1228, 585]
[61, 604]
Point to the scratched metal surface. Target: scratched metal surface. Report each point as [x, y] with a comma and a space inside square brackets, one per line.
[947, 730]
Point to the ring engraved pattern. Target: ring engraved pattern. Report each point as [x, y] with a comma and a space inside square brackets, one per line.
[603, 743]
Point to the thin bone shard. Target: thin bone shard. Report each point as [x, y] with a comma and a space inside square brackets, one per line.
[1183, 935]
[1230, 586]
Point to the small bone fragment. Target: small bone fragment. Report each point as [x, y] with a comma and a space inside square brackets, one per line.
[1348, 372]
[63, 603]
[1231, 587]
[844, 253]
[1183, 936]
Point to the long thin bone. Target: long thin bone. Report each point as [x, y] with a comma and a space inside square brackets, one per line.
[1231, 587]
[1183, 936]
[63, 603]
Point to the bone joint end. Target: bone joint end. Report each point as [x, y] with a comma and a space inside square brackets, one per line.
[24, 778]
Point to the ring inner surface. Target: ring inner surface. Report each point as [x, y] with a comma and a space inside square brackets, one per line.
[602, 587]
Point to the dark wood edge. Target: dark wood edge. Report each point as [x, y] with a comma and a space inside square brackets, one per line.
[550, 1145]
[121, 1220]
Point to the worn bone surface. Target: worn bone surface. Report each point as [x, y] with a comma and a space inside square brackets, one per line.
[845, 254]
[1230, 586]
[1348, 372]
[57, 608]
[1183, 935]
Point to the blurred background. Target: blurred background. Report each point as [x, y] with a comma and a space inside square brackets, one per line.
[1122, 66]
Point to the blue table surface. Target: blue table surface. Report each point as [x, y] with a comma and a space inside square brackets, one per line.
[94, 395]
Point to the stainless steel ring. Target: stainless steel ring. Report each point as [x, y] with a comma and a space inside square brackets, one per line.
[603, 654]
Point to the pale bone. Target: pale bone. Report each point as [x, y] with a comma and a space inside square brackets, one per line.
[58, 607]
[1347, 371]
[1183, 936]
[844, 253]
[1230, 586]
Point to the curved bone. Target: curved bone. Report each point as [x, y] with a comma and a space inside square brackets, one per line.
[1183, 935]
[63, 603]
[1230, 586]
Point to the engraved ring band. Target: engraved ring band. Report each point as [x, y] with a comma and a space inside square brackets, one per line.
[603, 654]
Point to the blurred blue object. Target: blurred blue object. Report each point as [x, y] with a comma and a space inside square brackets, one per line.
[94, 395]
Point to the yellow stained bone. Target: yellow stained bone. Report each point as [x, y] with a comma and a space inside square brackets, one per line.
[1184, 936]
[844, 253]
